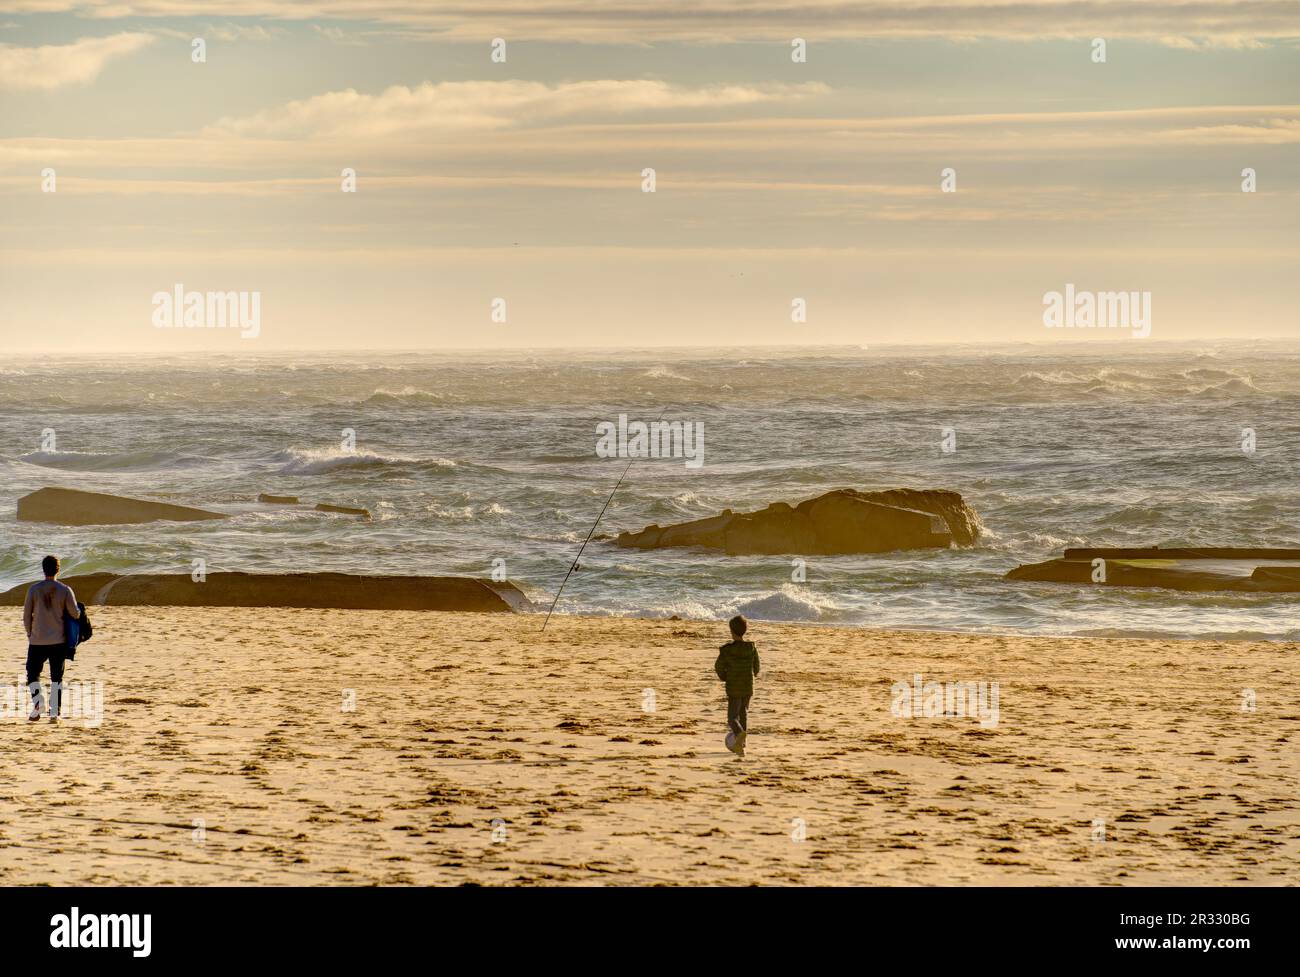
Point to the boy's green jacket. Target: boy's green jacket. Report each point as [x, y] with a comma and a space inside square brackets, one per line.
[737, 665]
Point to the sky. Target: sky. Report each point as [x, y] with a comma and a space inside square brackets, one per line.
[522, 180]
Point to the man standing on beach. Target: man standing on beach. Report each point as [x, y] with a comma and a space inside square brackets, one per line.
[737, 665]
[43, 615]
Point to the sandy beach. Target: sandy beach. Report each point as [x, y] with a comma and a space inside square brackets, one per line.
[481, 751]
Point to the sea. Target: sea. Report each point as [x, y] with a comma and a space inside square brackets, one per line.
[475, 461]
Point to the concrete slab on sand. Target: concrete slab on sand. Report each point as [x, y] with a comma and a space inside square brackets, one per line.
[307, 590]
[72, 507]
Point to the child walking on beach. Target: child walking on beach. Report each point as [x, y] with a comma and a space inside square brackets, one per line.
[737, 665]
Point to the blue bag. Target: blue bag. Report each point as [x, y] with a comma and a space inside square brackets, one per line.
[76, 630]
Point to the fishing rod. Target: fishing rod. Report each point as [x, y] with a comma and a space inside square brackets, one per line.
[573, 566]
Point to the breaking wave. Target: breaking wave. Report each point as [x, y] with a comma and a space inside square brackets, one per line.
[321, 461]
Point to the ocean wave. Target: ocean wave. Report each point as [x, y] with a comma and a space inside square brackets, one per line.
[787, 604]
[278, 516]
[687, 608]
[562, 459]
[320, 461]
[468, 512]
[663, 373]
[1108, 382]
[1105, 382]
[689, 500]
[684, 505]
[112, 461]
[1020, 542]
[1126, 376]
[407, 395]
[1053, 378]
[1235, 387]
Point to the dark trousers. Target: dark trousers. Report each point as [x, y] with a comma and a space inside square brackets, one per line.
[37, 655]
[738, 712]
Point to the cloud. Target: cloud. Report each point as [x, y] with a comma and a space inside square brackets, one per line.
[57, 65]
[488, 105]
[240, 32]
[1228, 42]
[637, 21]
[339, 36]
[535, 142]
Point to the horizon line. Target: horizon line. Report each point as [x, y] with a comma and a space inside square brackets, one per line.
[1056, 341]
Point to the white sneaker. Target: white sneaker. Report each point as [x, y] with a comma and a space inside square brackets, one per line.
[38, 700]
